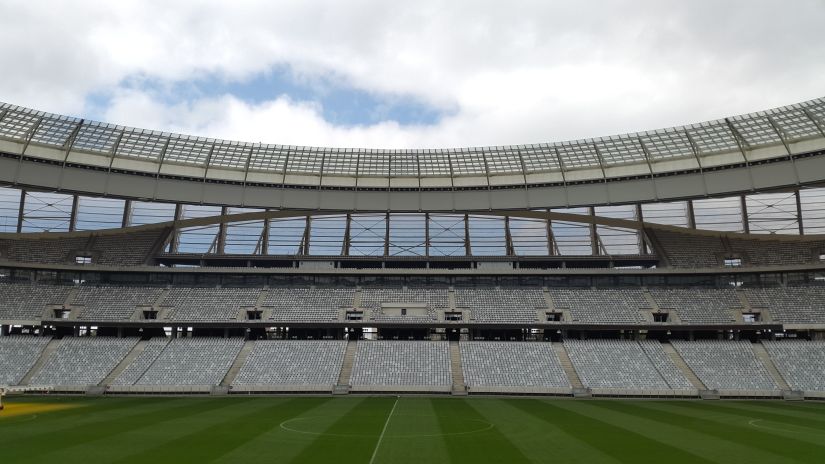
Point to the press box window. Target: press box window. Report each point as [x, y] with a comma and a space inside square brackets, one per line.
[733, 262]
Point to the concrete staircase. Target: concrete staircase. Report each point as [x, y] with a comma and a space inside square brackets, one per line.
[240, 360]
[342, 388]
[682, 365]
[459, 388]
[763, 356]
[136, 351]
[44, 356]
[579, 390]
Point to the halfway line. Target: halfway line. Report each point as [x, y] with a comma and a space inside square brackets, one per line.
[383, 431]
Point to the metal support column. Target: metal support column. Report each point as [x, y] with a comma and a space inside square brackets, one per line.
[510, 250]
[387, 235]
[594, 236]
[468, 250]
[691, 215]
[345, 245]
[746, 226]
[799, 213]
[127, 213]
[221, 245]
[73, 214]
[21, 210]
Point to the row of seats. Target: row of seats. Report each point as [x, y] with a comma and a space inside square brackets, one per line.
[726, 365]
[400, 365]
[82, 361]
[624, 364]
[17, 356]
[786, 305]
[122, 249]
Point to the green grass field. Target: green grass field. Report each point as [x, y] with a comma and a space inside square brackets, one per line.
[408, 430]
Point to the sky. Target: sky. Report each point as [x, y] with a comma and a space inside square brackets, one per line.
[422, 74]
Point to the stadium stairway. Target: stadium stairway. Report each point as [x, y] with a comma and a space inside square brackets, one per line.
[459, 388]
[579, 389]
[346, 369]
[682, 365]
[136, 351]
[238, 363]
[763, 356]
[44, 356]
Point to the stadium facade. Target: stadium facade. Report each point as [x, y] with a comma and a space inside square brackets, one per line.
[686, 261]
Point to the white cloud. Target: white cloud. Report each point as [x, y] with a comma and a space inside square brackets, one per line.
[515, 72]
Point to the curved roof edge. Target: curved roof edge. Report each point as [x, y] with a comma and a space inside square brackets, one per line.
[764, 150]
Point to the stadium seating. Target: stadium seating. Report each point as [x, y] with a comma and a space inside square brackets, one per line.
[685, 250]
[209, 304]
[607, 306]
[18, 354]
[135, 370]
[192, 361]
[512, 367]
[373, 298]
[82, 361]
[401, 366]
[790, 305]
[801, 363]
[291, 365]
[501, 305]
[726, 365]
[310, 304]
[624, 365]
[110, 303]
[775, 252]
[20, 301]
[43, 250]
[698, 306]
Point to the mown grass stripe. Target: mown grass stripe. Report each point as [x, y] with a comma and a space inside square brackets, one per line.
[351, 438]
[709, 445]
[105, 426]
[733, 428]
[618, 442]
[488, 446]
[537, 439]
[227, 432]
[778, 412]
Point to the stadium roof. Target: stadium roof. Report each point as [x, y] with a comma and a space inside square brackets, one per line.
[737, 143]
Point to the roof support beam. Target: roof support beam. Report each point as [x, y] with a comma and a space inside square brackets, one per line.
[73, 214]
[799, 222]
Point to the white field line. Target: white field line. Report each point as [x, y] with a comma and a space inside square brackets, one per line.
[383, 431]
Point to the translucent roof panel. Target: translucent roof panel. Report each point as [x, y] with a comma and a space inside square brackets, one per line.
[231, 155]
[794, 123]
[97, 137]
[620, 150]
[264, 157]
[434, 163]
[145, 145]
[817, 109]
[713, 137]
[340, 162]
[468, 163]
[189, 151]
[503, 161]
[404, 164]
[539, 158]
[374, 164]
[305, 162]
[669, 143]
[579, 154]
[55, 130]
[756, 130]
[18, 123]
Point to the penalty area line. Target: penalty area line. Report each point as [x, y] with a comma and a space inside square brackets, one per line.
[383, 431]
